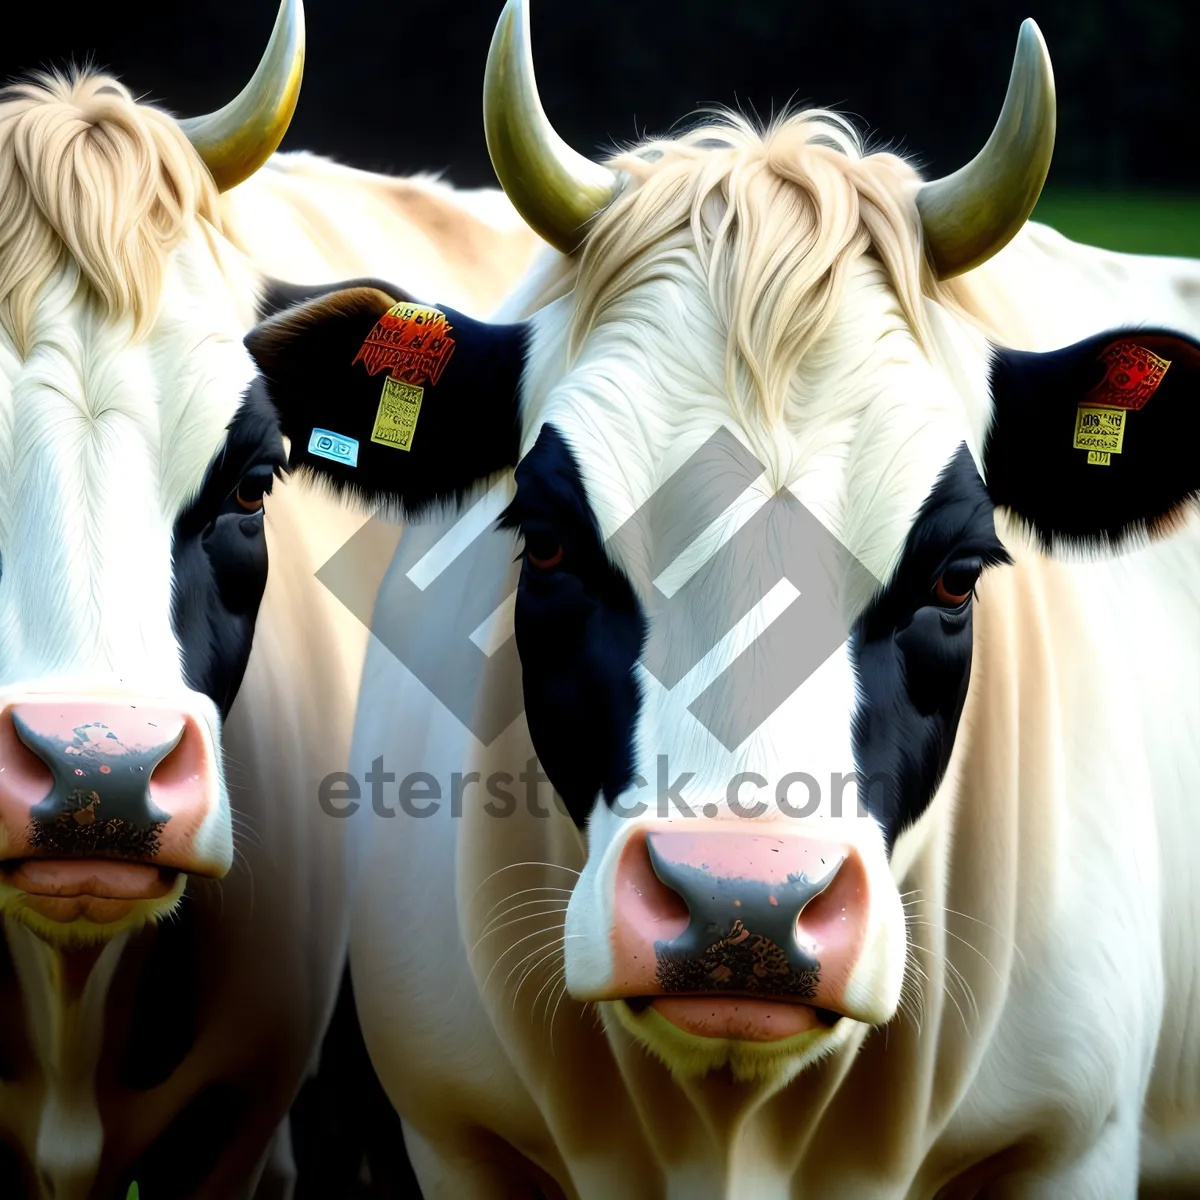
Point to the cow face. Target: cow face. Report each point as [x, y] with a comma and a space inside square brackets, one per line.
[739, 902]
[134, 560]
[757, 451]
[137, 455]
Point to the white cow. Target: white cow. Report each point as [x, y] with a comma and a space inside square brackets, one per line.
[856, 622]
[137, 456]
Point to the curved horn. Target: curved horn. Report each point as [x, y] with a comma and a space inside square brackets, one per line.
[970, 215]
[236, 140]
[555, 189]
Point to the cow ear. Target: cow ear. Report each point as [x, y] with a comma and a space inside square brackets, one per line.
[1091, 446]
[392, 401]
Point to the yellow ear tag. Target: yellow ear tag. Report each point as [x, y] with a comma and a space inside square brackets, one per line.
[396, 420]
[413, 344]
[1101, 429]
[1131, 376]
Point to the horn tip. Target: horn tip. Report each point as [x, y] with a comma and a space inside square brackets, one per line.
[555, 189]
[236, 140]
[1032, 50]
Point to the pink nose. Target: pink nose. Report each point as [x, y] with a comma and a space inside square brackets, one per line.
[779, 916]
[88, 779]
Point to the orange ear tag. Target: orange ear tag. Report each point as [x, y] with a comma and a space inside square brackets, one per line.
[413, 344]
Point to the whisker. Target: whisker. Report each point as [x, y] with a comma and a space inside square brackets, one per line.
[545, 912]
[947, 992]
[968, 994]
[514, 866]
[968, 945]
[978, 921]
[510, 949]
[561, 997]
[547, 957]
[524, 892]
[558, 974]
[549, 948]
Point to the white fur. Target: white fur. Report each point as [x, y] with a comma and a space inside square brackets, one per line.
[103, 441]
[1048, 956]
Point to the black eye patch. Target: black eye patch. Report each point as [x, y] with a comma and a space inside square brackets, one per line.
[219, 553]
[911, 650]
[579, 631]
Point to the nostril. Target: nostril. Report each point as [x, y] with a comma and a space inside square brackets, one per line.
[22, 772]
[182, 771]
[115, 759]
[643, 900]
[832, 915]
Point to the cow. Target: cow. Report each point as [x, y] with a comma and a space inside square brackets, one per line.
[780, 781]
[172, 898]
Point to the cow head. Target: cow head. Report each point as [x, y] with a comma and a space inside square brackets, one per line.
[137, 451]
[751, 371]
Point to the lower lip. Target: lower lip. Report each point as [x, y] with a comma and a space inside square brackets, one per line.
[739, 1018]
[101, 890]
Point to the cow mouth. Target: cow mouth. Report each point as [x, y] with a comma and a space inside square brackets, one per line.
[743, 1018]
[97, 890]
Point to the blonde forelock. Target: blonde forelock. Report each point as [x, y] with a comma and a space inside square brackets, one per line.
[91, 178]
[776, 216]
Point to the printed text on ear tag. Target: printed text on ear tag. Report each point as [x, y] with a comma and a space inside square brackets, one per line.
[413, 344]
[1132, 375]
[1099, 430]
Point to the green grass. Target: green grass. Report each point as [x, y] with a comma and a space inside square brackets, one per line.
[1134, 222]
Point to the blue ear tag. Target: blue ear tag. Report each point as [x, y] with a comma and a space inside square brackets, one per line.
[335, 446]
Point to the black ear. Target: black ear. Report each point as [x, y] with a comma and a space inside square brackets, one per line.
[391, 400]
[1094, 443]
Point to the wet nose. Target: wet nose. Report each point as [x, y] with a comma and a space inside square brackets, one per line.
[729, 911]
[83, 778]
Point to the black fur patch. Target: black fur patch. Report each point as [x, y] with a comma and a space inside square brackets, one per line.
[467, 427]
[912, 655]
[219, 553]
[579, 631]
[1033, 468]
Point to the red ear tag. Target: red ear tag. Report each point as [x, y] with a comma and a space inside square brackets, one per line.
[413, 344]
[1132, 376]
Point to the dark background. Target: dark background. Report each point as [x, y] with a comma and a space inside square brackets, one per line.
[396, 85]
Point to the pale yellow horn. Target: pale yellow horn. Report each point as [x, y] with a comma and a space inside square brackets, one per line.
[970, 215]
[236, 140]
[554, 188]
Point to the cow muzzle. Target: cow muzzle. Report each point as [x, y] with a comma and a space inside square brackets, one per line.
[740, 935]
[106, 805]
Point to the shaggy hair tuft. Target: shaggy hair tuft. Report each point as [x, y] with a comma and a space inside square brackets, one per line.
[777, 215]
[92, 178]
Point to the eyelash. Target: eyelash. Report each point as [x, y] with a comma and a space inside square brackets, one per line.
[948, 596]
[542, 540]
[247, 496]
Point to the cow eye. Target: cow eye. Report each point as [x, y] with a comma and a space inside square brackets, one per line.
[956, 584]
[543, 550]
[254, 485]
